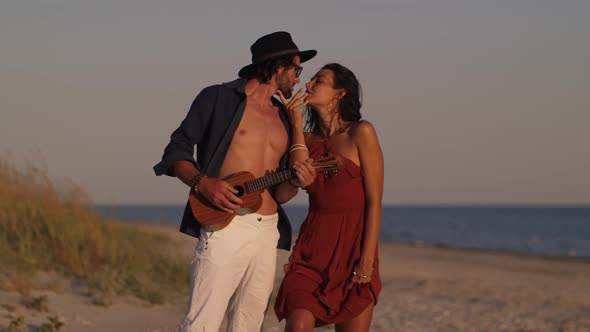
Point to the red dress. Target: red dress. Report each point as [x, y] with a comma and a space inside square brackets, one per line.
[318, 274]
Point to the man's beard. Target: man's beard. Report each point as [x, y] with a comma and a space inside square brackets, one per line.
[284, 85]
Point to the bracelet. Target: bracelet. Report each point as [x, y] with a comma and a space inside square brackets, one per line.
[194, 182]
[298, 148]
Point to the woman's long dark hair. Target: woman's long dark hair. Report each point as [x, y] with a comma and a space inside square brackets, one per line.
[349, 107]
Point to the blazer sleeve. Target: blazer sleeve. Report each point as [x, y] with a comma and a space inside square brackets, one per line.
[191, 132]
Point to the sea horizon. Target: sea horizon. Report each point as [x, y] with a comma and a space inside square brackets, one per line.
[551, 230]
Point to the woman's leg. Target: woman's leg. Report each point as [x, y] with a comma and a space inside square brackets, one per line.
[360, 323]
[300, 320]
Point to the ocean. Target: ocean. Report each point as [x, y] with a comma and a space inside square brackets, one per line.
[552, 231]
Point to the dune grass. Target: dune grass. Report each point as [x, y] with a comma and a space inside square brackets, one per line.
[46, 227]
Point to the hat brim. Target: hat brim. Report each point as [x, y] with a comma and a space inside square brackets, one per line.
[303, 56]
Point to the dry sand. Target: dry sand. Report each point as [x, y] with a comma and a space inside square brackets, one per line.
[424, 289]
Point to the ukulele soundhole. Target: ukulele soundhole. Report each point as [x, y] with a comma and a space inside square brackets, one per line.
[240, 190]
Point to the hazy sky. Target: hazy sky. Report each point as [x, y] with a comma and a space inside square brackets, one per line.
[475, 101]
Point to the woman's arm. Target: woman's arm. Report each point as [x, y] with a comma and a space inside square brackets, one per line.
[371, 160]
[298, 152]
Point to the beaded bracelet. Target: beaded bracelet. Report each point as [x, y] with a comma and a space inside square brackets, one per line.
[194, 182]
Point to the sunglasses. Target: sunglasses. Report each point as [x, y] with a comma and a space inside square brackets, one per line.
[298, 71]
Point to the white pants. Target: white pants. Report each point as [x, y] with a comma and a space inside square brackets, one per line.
[233, 269]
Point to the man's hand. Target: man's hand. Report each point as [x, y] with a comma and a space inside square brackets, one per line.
[305, 173]
[220, 194]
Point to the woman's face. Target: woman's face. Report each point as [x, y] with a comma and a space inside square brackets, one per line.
[320, 90]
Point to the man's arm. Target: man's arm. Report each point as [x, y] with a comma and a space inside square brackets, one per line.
[216, 191]
[190, 132]
[178, 159]
[186, 172]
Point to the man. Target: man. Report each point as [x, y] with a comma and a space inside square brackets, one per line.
[238, 126]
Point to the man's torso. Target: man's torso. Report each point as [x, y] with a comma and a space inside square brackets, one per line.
[257, 147]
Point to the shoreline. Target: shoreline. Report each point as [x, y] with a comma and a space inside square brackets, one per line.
[532, 230]
[573, 258]
[583, 259]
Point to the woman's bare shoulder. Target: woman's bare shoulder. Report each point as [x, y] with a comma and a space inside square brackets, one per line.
[364, 130]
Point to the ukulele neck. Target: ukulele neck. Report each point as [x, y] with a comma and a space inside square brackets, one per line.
[269, 180]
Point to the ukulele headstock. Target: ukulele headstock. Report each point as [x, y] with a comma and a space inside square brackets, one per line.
[328, 163]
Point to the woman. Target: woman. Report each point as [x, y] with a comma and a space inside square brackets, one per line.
[332, 276]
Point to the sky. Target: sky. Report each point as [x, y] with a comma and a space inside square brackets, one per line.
[475, 102]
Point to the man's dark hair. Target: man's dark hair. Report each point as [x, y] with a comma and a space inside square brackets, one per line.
[264, 71]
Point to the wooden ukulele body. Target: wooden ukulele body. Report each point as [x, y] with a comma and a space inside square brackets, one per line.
[216, 219]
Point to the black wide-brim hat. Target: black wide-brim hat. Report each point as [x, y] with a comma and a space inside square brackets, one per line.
[272, 46]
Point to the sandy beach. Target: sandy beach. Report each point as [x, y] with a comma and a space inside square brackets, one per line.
[424, 289]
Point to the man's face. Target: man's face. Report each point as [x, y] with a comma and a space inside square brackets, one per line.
[287, 78]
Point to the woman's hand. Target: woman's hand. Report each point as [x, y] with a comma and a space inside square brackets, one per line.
[293, 106]
[361, 273]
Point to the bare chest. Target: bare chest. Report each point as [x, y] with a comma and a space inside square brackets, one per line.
[262, 127]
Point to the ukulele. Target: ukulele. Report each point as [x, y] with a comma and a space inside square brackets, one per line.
[249, 191]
